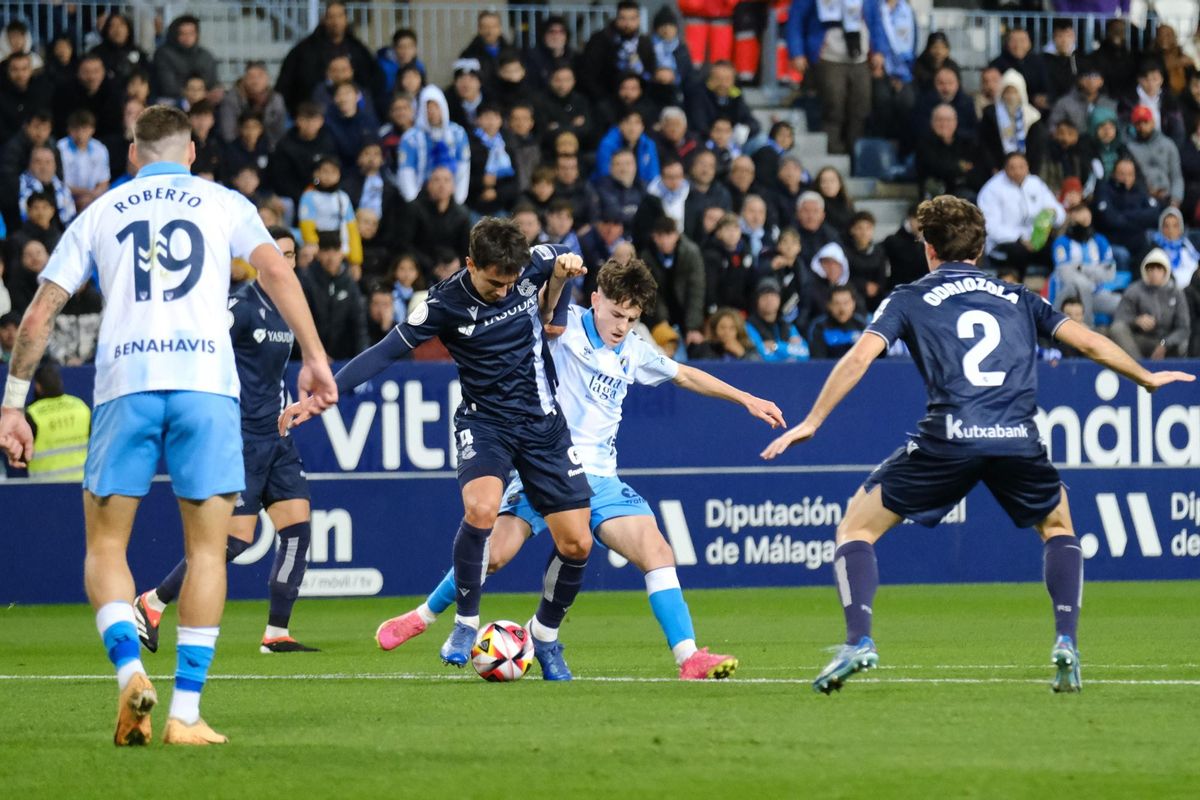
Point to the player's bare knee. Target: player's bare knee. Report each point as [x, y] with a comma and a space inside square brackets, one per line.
[576, 548]
[480, 512]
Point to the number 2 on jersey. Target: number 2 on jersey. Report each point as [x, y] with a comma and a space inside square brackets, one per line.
[967, 322]
[149, 251]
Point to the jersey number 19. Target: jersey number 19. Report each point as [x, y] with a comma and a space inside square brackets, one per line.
[149, 251]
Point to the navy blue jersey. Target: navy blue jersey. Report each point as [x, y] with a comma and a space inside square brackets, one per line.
[262, 345]
[974, 339]
[503, 364]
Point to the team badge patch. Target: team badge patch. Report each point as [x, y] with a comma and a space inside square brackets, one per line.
[525, 288]
[419, 314]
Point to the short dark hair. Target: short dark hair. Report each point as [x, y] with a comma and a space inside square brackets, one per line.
[308, 109]
[861, 216]
[201, 107]
[498, 243]
[560, 205]
[445, 255]
[379, 287]
[664, 224]
[160, 122]
[1148, 66]
[39, 115]
[41, 197]
[17, 25]
[508, 56]
[403, 33]
[11, 318]
[953, 227]
[845, 288]
[524, 207]
[779, 126]
[630, 282]
[81, 118]
[280, 232]
[626, 5]
[329, 240]
[1015, 154]
[49, 380]
[632, 112]
[250, 116]
[1072, 301]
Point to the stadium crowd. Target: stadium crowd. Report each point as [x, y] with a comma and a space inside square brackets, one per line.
[1087, 166]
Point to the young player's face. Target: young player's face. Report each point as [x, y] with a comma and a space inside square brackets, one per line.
[613, 320]
[489, 283]
[287, 246]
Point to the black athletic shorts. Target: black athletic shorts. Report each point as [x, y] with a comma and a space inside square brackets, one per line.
[274, 472]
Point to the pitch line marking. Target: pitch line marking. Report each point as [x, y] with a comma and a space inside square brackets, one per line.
[411, 676]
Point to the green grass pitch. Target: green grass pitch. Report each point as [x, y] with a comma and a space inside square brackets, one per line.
[961, 706]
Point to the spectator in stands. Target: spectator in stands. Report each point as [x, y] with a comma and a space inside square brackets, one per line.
[775, 339]
[406, 282]
[867, 260]
[1163, 107]
[720, 97]
[14, 159]
[1102, 127]
[351, 124]
[671, 54]
[541, 189]
[1116, 61]
[292, 162]
[375, 252]
[32, 257]
[465, 94]
[790, 182]
[898, 46]
[828, 269]
[905, 251]
[552, 50]
[780, 140]
[402, 54]
[1189, 165]
[1011, 126]
[944, 158]
[630, 96]
[1191, 293]
[678, 267]
[761, 234]
[1063, 65]
[704, 191]
[486, 47]
[76, 328]
[17, 40]
[560, 226]
[935, 56]
[253, 93]
[117, 49]
[494, 185]
[381, 312]
[671, 188]
[614, 51]
[325, 208]
[621, 188]
[435, 218]
[742, 181]
[891, 103]
[947, 90]
[410, 82]
[84, 160]
[785, 265]
[248, 183]
[434, 142]
[1083, 265]
[727, 339]
[41, 222]
[570, 185]
[9, 322]
[989, 90]
[1018, 55]
[208, 147]
[335, 301]
[815, 231]
[118, 143]
[1080, 103]
[21, 93]
[249, 149]
[720, 142]
[180, 57]
[401, 117]
[511, 87]
[522, 143]
[839, 208]
[1157, 158]
[61, 60]
[629, 134]
[1176, 65]
[729, 267]
[1189, 103]
[1125, 212]
[366, 184]
[1067, 156]
[563, 108]
[41, 176]
[1073, 308]
[339, 70]
[600, 243]
[1020, 211]
[1172, 239]
[832, 334]
[835, 38]
[93, 91]
[1152, 320]
[304, 65]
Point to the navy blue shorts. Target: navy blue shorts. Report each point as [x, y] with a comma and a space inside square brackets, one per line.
[274, 472]
[924, 487]
[539, 449]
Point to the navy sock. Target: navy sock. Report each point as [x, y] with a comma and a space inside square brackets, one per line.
[291, 560]
[560, 586]
[857, 577]
[1063, 571]
[168, 590]
[470, 560]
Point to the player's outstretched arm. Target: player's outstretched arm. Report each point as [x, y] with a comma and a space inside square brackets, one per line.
[566, 267]
[1106, 352]
[278, 280]
[16, 437]
[845, 376]
[700, 382]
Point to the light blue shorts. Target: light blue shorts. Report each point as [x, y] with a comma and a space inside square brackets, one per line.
[611, 498]
[199, 434]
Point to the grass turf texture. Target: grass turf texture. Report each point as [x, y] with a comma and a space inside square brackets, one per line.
[961, 706]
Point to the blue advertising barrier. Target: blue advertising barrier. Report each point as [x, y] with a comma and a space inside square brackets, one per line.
[386, 502]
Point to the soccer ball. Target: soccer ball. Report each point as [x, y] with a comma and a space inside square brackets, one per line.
[503, 651]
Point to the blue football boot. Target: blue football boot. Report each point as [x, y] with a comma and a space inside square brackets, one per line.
[850, 658]
[550, 658]
[457, 649]
[1065, 658]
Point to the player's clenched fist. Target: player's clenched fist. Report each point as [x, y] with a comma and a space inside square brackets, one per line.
[569, 265]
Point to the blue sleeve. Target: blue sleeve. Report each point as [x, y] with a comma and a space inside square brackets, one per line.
[541, 262]
[560, 310]
[422, 324]
[604, 153]
[891, 319]
[308, 207]
[794, 30]
[652, 165]
[1047, 320]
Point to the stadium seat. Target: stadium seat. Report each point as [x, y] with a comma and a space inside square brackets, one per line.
[875, 158]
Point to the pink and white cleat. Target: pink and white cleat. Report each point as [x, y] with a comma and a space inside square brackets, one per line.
[398, 630]
[703, 665]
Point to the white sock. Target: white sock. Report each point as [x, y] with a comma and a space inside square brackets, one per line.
[426, 614]
[470, 621]
[185, 706]
[275, 633]
[154, 603]
[126, 671]
[541, 632]
[684, 650]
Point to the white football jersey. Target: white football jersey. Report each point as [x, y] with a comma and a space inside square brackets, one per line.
[162, 246]
[592, 382]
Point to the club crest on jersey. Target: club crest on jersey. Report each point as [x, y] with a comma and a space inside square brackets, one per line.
[525, 288]
[260, 334]
[466, 330]
[419, 314]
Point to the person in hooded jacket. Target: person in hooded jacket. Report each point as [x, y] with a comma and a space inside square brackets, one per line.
[1083, 265]
[121, 55]
[828, 269]
[776, 339]
[434, 142]
[1012, 125]
[1152, 320]
[553, 49]
[1172, 239]
[180, 57]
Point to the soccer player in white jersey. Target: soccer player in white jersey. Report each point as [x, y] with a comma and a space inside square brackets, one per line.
[166, 387]
[596, 359]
